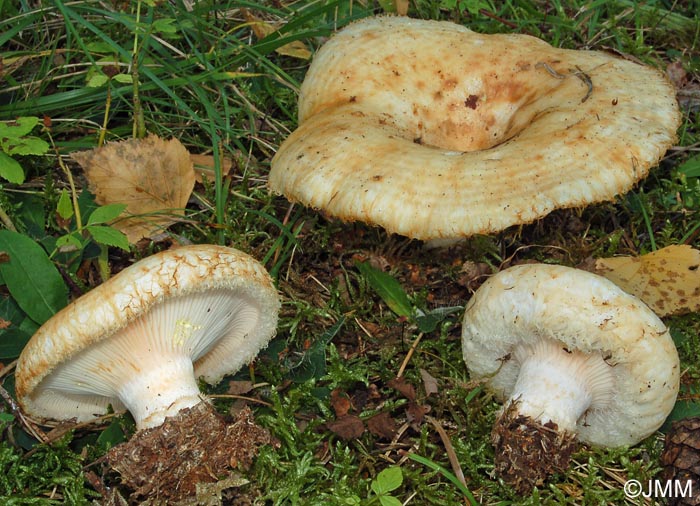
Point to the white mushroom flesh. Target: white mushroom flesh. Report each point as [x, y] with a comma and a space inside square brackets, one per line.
[526, 305]
[148, 366]
[556, 385]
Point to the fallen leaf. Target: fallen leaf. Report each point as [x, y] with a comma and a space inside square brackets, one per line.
[415, 413]
[430, 384]
[239, 387]
[153, 177]
[401, 7]
[261, 29]
[340, 402]
[382, 425]
[667, 280]
[404, 388]
[347, 427]
[204, 167]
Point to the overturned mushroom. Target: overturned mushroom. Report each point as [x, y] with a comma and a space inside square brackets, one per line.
[574, 357]
[433, 131]
[140, 341]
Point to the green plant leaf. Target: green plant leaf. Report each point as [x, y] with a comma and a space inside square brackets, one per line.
[123, 78]
[12, 342]
[691, 167]
[10, 169]
[64, 208]
[107, 213]
[96, 80]
[109, 236]
[447, 474]
[387, 481]
[388, 288]
[32, 279]
[18, 128]
[165, 25]
[13, 337]
[388, 500]
[112, 435]
[69, 240]
[313, 363]
[28, 146]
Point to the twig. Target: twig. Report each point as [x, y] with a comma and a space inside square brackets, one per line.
[409, 355]
[579, 73]
[6, 220]
[451, 454]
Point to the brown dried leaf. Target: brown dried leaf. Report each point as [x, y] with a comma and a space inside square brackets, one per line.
[239, 387]
[415, 413]
[153, 177]
[667, 280]
[347, 427]
[382, 425]
[430, 384]
[403, 387]
[401, 7]
[340, 402]
[204, 167]
[261, 29]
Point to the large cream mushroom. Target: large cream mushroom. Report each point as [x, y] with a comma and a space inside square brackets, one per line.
[140, 340]
[434, 131]
[573, 357]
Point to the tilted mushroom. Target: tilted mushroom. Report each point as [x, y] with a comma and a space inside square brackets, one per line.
[140, 340]
[574, 357]
[433, 131]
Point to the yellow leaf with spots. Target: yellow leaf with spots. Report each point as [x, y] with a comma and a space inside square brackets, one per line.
[667, 280]
[261, 29]
[152, 176]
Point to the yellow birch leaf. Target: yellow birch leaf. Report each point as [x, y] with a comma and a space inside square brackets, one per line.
[204, 167]
[152, 176]
[401, 7]
[261, 29]
[667, 280]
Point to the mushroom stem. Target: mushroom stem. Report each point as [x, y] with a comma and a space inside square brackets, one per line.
[556, 385]
[536, 433]
[160, 392]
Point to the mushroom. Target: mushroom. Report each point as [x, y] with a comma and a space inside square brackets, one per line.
[574, 357]
[434, 131]
[140, 341]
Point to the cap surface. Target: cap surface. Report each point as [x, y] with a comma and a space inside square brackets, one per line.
[525, 304]
[209, 305]
[433, 131]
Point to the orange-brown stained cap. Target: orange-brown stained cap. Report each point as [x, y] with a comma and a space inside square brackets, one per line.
[140, 340]
[431, 130]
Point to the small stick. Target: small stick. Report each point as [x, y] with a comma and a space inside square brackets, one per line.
[409, 355]
[579, 73]
[451, 454]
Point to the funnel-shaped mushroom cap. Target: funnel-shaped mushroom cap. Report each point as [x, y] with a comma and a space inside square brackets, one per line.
[530, 310]
[433, 131]
[140, 340]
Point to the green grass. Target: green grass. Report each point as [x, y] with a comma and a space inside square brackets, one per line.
[204, 78]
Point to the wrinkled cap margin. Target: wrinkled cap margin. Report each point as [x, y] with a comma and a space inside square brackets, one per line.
[214, 305]
[433, 131]
[582, 311]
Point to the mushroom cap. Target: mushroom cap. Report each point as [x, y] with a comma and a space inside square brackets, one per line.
[432, 131]
[582, 311]
[215, 306]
